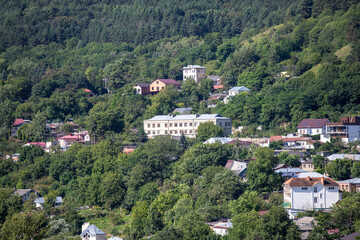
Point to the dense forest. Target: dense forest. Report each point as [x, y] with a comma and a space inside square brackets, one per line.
[51, 50]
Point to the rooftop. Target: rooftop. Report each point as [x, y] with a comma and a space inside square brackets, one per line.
[239, 88]
[92, 230]
[169, 82]
[143, 84]
[187, 117]
[313, 123]
[351, 181]
[22, 192]
[311, 181]
[193, 66]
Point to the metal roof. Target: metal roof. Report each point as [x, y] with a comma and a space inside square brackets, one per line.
[351, 181]
[240, 88]
[187, 117]
[92, 230]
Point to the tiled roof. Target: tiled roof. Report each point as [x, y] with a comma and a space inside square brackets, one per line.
[18, 121]
[169, 82]
[308, 182]
[87, 90]
[229, 164]
[275, 138]
[312, 123]
[295, 139]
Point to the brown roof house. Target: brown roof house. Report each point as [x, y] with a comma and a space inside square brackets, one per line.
[142, 88]
[310, 193]
[160, 84]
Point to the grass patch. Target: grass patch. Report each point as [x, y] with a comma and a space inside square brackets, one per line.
[343, 52]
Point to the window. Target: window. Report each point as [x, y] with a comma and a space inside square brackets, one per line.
[185, 131]
[320, 195]
[152, 88]
[185, 124]
[315, 199]
[175, 131]
[158, 125]
[153, 125]
[195, 124]
[180, 124]
[153, 132]
[158, 131]
[190, 131]
[220, 124]
[157, 88]
[175, 124]
[166, 132]
[165, 124]
[170, 124]
[331, 188]
[170, 131]
[157, 82]
[190, 124]
[315, 189]
[304, 188]
[149, 132]
[148, 125]
[227, 123]
[162, 87]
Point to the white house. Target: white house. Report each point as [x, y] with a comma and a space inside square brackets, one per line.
[312, 126]
[195, 72]
[39, 202]
[302, 194]
[221, 227]
[348, 129]
[238, 167]
[236, 90]
[175, 125]
[91, 232]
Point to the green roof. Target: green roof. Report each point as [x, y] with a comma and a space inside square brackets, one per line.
[286, 205]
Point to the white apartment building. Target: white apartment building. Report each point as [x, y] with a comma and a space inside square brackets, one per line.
[310, 193]
[348, 129]
[195, 72]
[175, 125]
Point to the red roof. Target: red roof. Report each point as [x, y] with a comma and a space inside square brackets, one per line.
[313, 123]
[218, 86]
[262, 212]
[18, 121]
[295, 139]
[275, 138]
[87, 90]
[169, 82]
[332, 231]
[229, 164]
[39, 144]
[70, 137]
[311, 181]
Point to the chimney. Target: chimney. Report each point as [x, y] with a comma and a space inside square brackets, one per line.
[322, 181]
[309, 179]
[84, 226]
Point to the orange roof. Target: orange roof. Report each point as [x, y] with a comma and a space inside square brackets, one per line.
[308, 182]
[275, 138]
[295, 139]
[87, 90]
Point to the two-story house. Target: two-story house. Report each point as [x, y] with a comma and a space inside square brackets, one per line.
[161, 84]
[176, 125]
[310, 193]
[195, 72]
[91, 232]
[312, 126]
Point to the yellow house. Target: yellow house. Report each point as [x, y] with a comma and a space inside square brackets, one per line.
[160, 84]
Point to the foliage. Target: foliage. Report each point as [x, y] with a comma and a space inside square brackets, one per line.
[207, 130]
[340, 169]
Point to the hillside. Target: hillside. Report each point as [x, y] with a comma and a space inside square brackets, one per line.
[300, 59]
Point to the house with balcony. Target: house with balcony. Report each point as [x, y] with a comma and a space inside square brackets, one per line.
[195, 72]
[310, 193]
[312, 126]
[176, 125]
[348, 130]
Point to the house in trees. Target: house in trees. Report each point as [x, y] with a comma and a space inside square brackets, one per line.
[220, 227]
[236, 90]
[310, 193]
[142, 88]
[25, 193]
[195, 72]
[348, 130]
[350, 185]
[312, 126]
[89, 93]
[17, 124]
[91, 232]
[40, 201]
[175, 125]
[238, 167]
[160, 84]
[216, 79]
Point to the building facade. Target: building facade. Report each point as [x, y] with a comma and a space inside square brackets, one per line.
[236, 90]
[195, 72]
[310, 193]
[348, 129]
[175, 125]
[160, 84]
[312, 126]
